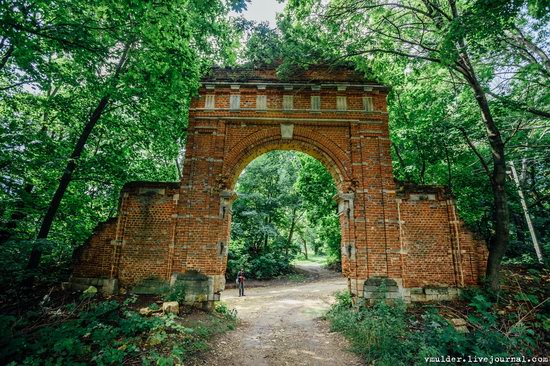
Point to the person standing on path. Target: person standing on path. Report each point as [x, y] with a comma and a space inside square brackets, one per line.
[240, 282]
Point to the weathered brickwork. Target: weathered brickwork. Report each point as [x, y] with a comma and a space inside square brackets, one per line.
[411, 235]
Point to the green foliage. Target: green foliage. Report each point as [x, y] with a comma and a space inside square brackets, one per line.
[430, 101]
[373, 331]
[104, 333]
[285, 200]
[60, 59]
[176, 293]
[317, 188]
[223, 309]
[262, 46]
[386, 334]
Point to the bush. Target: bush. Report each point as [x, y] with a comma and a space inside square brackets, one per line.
[176, 293]
[223, 309]
[374, 331]
[262, 267]
[385, 334]
[103, 333]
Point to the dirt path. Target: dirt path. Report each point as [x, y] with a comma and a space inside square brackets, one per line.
[282, 325]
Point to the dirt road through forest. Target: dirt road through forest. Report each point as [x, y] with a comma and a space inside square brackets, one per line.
[282, 325]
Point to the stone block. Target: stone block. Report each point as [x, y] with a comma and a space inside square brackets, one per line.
[145, 311]
[151, 286]
[436, 291]
[379, 288]
[378, 281]
[393, 295]
[171, 307]
[452, 291]
[460, 325]
[458, 322]
[197, 288]
[418, 297]
[370, 288]
[110, 286]
[374, 295]
[287, 131]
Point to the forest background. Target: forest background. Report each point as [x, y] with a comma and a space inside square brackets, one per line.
[95, 94]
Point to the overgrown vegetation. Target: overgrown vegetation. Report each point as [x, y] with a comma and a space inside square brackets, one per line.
[514, 324]
[176, 293]
[94, 94]
[285, 205]
[106, 332]
[469, 95]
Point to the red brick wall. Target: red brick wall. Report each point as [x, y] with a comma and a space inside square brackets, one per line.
[95, 258]
[147, 231]
[138, 242]
[437, 249]
[386, 230]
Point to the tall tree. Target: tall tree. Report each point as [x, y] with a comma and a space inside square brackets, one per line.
[106, 62]
[419, 35]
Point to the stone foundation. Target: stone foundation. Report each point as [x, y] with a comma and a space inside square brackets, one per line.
[377, 288]
[107, 286]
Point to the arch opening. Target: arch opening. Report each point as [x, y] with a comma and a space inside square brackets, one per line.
[285, 215]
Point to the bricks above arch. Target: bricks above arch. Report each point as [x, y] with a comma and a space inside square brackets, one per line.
[304, 139]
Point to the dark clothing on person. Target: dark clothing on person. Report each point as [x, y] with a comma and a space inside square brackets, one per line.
[240, 282]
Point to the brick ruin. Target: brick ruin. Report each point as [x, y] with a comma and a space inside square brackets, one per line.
[407, 236]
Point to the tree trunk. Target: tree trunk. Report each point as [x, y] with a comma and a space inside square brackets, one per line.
[422, 171]
[449, 169]
[401, 161]
[499, 243]
[47, 221]
[178, 169]
[292, 226]
[305, 248]
[6, 56]
[36, 252]
[501, 238]
[291, 231]
[519, 222]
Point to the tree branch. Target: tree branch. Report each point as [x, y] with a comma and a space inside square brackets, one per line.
[476, 152]
[514, 132]
[6, 56]
[519, 106]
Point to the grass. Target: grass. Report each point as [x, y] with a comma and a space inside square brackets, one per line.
[294, 277]
[319, 259]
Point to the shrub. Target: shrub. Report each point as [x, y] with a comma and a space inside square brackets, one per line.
[103, 333]
[222, 309]
[176, 293]
[386, 334]
[262, 267]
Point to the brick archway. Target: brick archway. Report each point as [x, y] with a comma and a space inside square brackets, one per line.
[303, 139]
[408, 235]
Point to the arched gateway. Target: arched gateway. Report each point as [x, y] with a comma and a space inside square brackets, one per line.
[170, 232]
